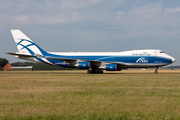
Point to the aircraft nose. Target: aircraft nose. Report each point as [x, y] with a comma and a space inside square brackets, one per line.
[173, 60]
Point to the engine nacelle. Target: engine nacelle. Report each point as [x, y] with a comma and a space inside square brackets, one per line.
[84, 65]
[112, 67]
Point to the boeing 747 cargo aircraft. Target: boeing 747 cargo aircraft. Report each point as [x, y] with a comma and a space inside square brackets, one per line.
[94, 62]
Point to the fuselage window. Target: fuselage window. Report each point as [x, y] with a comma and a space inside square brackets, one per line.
[161, 52]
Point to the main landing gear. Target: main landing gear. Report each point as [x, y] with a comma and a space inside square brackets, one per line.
[156, 71]
[95, 72]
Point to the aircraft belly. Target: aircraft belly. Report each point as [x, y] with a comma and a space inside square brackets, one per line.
[143, 65]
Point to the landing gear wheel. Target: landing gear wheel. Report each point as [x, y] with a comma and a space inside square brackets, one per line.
[91, 71]
[88, 72]
[94, 72]
[156, 71]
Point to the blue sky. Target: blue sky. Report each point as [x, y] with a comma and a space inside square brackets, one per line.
[92, 25]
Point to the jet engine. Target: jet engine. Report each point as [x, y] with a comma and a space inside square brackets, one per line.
[84, 65]
[112, 67]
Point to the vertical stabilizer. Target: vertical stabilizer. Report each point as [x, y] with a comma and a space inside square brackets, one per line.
[25, 44]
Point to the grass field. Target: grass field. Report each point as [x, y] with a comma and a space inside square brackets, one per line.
[76, 95]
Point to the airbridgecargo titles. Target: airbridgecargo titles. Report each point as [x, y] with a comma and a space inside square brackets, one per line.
[94, 62]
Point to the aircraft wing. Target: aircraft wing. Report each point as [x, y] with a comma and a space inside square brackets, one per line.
[63, 59]
[99, 61]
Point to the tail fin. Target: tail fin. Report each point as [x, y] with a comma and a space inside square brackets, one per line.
[25, 44]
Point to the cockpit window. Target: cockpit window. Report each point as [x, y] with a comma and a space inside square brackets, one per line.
[161, 52]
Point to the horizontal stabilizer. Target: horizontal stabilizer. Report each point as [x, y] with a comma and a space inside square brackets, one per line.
[21, 54]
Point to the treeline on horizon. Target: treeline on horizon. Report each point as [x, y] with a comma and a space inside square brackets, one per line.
[3, 62]
[41, 66]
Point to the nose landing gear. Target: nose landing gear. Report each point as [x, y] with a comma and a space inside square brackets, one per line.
[156, 71]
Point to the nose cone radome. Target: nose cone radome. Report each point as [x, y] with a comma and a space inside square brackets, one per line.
[173, 60]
